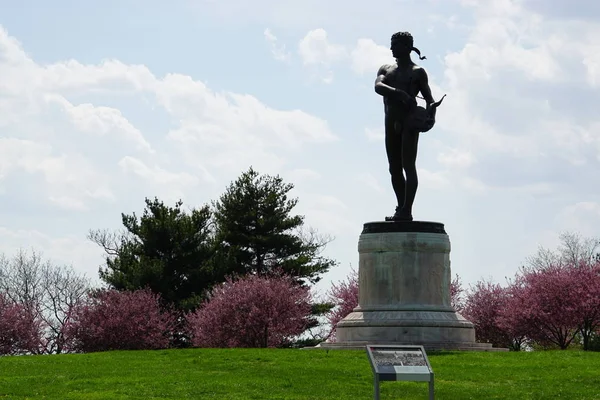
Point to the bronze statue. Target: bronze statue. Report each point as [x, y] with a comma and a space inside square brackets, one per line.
[399, 85]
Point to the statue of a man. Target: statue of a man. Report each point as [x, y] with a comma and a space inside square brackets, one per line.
[399, 85]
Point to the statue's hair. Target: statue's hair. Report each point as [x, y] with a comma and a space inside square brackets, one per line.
[406, 39]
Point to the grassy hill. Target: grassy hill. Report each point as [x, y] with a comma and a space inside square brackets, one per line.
[293, 374]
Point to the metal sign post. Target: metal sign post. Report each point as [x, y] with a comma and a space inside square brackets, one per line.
[399, 363]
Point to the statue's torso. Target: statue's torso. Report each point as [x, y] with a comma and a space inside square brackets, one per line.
[403, 78]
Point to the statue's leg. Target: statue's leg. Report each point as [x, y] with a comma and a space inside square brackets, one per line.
[410, 142]
[393, 147]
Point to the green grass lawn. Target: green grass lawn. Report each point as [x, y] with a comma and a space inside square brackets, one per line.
[293, 374]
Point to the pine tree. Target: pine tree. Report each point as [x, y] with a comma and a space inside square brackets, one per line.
[166, 250]
[257, 233]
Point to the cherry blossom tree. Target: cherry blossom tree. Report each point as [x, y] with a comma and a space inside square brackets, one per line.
[344, 296]
[573, 267]
[484, 305]
[120, 320]
[586, 290]
[544, 302]
[553, 303]
[20, 331]
[253, 311]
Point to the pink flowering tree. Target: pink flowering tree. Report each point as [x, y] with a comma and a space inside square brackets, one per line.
[588, 293]
[253, 311]
[554, 303]
[579, 256]
[344, 296]
[20, 331]
[544, 302]
[484, 306]
[120, 320]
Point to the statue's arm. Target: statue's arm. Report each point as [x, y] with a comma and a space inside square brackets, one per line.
[386, 90]
[381, 88]
[424, 87]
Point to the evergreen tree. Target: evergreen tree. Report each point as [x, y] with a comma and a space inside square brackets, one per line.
[166, 250]
[256, 232]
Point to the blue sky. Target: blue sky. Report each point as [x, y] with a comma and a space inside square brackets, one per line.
[103, 104]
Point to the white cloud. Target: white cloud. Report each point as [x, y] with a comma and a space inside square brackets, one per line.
[215, 125]
[214, 132]
[320, 54]
[316, 48]
[156, 174]
[511, 90]
[432, 180]
[23, 154]
[109, 76]
[367, 56]
[102, 121]
[451, 22]
[170, 186]
[21, 74]
[303, 174]
[473, 185]
[329, 201]
[370, 181]
[456, 158]
[70, 179]
[278, 50]
[328, 214]
[582, 217]
[299, 15]
[231, 131]
[375, 135]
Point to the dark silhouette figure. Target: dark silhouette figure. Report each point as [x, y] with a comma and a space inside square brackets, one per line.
[399, 85]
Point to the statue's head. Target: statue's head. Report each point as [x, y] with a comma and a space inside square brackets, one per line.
[402, 44]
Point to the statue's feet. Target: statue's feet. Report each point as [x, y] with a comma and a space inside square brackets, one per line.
[400, 215]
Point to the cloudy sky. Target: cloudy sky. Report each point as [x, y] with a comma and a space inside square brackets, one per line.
[105, 103]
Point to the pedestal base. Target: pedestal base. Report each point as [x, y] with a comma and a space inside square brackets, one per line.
[435, 330]
[406, 327]
[404, 291]
[432, 346]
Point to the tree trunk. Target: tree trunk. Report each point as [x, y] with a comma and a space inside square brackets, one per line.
[585, 334]
[265, 342]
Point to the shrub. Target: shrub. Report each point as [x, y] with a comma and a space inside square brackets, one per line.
[555, 303]
[254, 311]
[485, 306]
[115, 320]
[345, 297]
[20, 331]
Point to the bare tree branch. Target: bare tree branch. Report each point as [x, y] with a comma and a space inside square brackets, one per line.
[573, 250]
[48, 291]
[109, 241]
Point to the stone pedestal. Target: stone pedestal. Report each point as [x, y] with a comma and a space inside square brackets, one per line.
[404, 291]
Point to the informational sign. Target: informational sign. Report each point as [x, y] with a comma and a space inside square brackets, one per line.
[400, 363]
